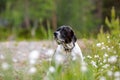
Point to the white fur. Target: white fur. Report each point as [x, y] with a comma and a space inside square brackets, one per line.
[76, 52]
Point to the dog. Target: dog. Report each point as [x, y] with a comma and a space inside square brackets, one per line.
[67, 45]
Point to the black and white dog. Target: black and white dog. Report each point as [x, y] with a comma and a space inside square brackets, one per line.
[67, 44]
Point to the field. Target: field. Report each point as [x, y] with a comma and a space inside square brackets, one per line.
[32, 60]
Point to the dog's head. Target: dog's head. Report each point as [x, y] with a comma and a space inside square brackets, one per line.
[64, 34]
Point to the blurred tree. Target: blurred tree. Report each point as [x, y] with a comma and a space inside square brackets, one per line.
[30, 14]
[2, 5]
[78, 14]
[107, 5]
[28, 9]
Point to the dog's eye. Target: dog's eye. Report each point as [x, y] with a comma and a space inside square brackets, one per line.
[64, 34]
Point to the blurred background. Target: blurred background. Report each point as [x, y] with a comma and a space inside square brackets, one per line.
[37, 19]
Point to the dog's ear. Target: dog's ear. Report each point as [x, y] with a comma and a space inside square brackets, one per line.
[74, 39]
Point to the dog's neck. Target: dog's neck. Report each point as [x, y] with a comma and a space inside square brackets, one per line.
[68, 47]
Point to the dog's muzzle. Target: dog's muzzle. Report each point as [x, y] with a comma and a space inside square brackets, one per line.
[58, 38]
[55, 34]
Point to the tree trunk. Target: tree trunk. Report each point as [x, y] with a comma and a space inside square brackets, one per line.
[99, 9]
[26, 18]
[54, 20]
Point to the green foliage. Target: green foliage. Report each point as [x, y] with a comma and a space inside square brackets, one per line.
[6, 69]
[114, 24]
[49, 31]
[16, 13]
[4, 33]
[34, 9]
[106, 48]
[107, 4]
[101, 62]
[42, 33]
[78, 14]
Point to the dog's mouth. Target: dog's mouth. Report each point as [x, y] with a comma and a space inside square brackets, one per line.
[59, 41]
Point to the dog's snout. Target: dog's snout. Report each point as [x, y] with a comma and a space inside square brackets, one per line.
[55, 33]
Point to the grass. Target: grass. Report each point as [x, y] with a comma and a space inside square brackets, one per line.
[101, 61]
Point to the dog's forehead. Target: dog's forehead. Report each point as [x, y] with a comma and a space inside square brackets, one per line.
[59, 29]
[64, 28]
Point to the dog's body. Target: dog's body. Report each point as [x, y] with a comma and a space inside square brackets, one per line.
[67, 45]
[75, 52]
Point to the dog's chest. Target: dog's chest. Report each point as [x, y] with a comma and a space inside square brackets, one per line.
[74, 53]
[60, 50]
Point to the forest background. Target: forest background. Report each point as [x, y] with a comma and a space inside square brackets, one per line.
[37, 19]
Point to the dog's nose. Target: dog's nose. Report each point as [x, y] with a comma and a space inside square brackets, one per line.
[55, 33]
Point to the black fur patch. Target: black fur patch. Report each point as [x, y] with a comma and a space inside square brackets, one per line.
[67, 34]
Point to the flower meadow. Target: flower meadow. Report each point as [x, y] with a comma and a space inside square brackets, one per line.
[101, 61]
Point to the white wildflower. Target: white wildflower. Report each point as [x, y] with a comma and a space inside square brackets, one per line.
[2, 57]
[32, 70]
[103, 48]
[98, 44]
[109, 73]
[118, 78]
[108, 37]
[112, 59]
[108, 49]
[105, 60]
[119, 44]
[94, 64]
[34, 55]
[49, 52]
[83, 67]
[89, 57]
[114, 52]
[59, 59]
[14, 60]
[51, 69]
[101, 69]
[102, 78]
[105, 55]
[101, 63]
[5, 66]
[96, 56]
[99, 60]
[117, 74]
[102, 43]
[112, 47]
[32, 61]
[106, 66]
